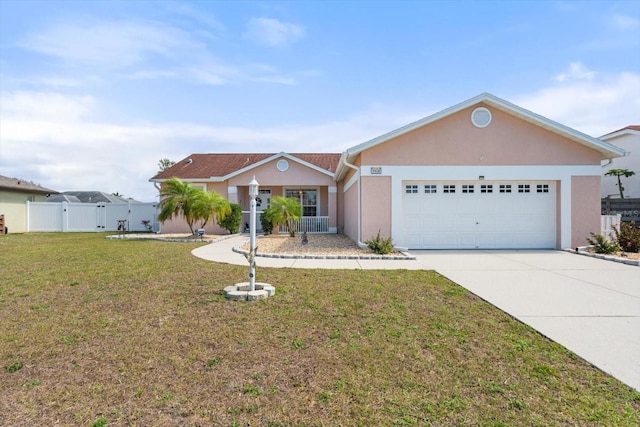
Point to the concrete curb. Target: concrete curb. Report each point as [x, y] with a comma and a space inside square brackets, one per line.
[405, 255]
[583, 250]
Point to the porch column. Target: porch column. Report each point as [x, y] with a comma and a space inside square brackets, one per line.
[232, 194]
[332, 208]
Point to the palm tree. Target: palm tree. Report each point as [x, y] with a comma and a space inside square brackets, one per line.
[208, 205]
[177, 198]
[620, 172]
[287, 211]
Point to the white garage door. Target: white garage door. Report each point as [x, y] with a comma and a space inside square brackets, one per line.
[479, 215]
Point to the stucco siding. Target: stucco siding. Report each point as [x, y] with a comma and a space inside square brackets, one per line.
[630, 142]
[351, 213]
[376, 206]
[296, 174]
[585, 208]
[13, 205]
[454, 140]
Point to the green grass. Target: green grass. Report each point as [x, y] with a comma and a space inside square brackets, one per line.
[125, 332]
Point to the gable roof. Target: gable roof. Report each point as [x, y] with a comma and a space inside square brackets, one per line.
[20, 185]
[629, 130]
[220, 167]
[607, 150]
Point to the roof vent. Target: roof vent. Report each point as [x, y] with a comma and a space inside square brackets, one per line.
[481, 117]
[189, 161]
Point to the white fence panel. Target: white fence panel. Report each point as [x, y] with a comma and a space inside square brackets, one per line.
[607, 224]
[81, 217]
[64, 216]
[43, 216]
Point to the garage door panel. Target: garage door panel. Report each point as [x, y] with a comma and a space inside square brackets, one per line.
[492, 219]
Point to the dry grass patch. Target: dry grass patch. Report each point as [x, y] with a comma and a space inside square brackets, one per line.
[125, 332]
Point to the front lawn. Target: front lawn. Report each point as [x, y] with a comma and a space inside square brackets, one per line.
[137, 333]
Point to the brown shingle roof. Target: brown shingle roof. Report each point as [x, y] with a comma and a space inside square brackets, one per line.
[14, 184]
[630, 127]
[204, 166]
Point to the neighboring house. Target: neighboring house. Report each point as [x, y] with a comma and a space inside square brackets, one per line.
[482, 174]
[87, 197]
[627, 139]
[14, 193]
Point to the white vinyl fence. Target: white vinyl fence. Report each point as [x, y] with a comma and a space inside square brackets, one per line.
[64, 216]
[607, 224]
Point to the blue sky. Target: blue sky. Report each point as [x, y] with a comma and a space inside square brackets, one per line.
[94, 93]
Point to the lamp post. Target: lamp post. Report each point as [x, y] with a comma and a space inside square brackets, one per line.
[253, 193]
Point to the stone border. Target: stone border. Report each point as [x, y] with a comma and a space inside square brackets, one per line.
[169, 239]
[406, 256]
[583, 250]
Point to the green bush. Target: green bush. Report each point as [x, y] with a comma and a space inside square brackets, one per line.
[232, 221]
[380, 245]
[628, 237]
[601, 245]
[267, 219]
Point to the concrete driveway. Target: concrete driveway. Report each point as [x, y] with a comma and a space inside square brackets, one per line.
[590, 306]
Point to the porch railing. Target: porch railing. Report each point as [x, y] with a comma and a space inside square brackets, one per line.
[309, 224]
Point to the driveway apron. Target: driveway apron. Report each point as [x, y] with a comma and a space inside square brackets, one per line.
[590, 306]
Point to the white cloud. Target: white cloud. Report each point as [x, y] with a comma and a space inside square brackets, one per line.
[577, 71]
[625, 22]
[111, 44]
[45, 105]
[272, 32]
[594, 105]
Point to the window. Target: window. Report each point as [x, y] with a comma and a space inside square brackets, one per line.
[31, 199]
[468, 188]
[542, 188]
[505, 188]
[449, 188]
[486, 188]
[430, 189]
[308, 200]
[411, 189]
[524, 188]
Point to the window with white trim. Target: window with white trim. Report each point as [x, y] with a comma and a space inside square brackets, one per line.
[542, 188]
[486, 188]
[468, 188]
[524, 188]
[411, 189]
[429, 189]
[448, 188]
[308, 200]
[505, 188]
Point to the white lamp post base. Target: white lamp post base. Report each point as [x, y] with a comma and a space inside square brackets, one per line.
[242, 292]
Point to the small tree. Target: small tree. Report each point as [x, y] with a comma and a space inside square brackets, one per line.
[287, 210]
[618, 173]
[209, 204]
[164, 164]
[177, 198]
[232, 222]
[266, 220]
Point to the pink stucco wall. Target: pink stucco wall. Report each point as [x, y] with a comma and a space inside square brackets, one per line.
[179, 225]
[585, 208]
[454, 140]
[376, 206]
[350, 208]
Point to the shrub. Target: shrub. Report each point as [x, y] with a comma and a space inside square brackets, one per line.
[628, 237]
[380, 245]
[601, 245]
[232, 221]
[267, 219]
